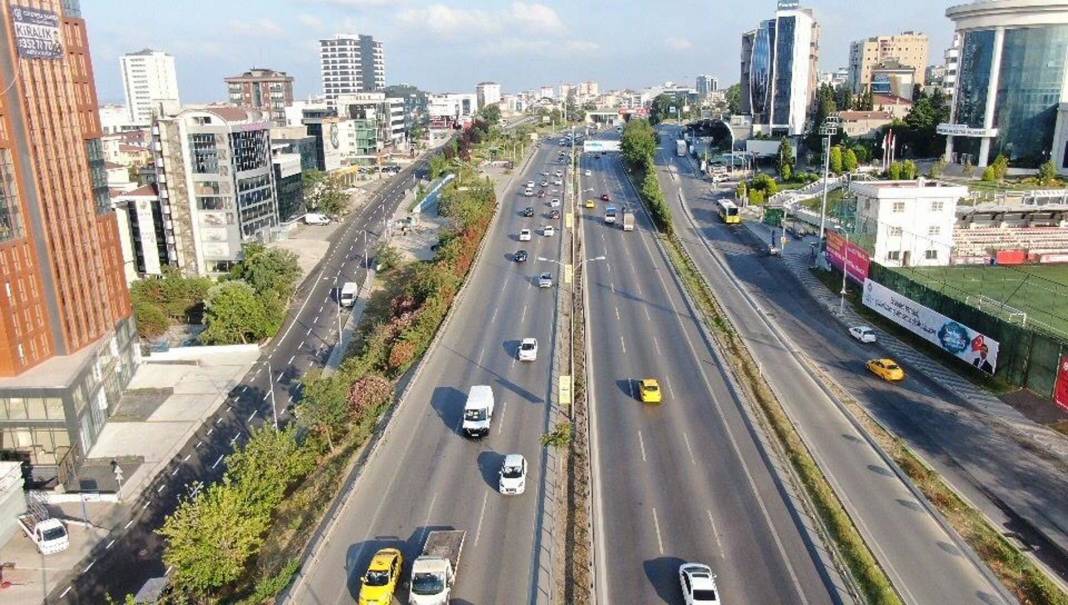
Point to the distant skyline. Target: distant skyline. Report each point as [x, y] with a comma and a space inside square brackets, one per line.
[442, 47]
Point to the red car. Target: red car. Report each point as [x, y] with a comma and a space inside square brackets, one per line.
[605, 197]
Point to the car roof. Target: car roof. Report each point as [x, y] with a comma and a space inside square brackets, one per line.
[650, 382]
[530, 341]
[546, 274]
[513, 460]
[701, 576]
[383, 559]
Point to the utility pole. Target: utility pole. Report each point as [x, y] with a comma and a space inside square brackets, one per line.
[828, 129]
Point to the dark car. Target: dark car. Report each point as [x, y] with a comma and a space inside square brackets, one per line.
[541, 193]
[520, 256]
[605, 197]
[554, 213]
[527, 212]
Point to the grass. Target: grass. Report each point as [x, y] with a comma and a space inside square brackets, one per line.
[834, 199]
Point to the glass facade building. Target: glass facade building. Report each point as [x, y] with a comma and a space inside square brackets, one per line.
[778, 73]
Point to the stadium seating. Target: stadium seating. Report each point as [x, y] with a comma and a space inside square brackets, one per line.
[982, 241]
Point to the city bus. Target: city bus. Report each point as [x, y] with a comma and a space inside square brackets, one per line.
[728, 212]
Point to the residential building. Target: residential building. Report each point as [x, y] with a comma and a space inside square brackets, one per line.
[265, 89]
[216, 185]
[68, 344]
[908, 49]
[566, 91]
[893, 78]
[1011, 84]
[779, 72]
[834, 78]
[451, 110]
[907, 223]
[118, 151]
[897, 107]
[588, 90]
[706, 84]
[488, 93]
[114, 119]
[351, 63]
[151, 85]
[952, 59]
[546, 92]
[143, 232]
[863, 124]
[380, 116]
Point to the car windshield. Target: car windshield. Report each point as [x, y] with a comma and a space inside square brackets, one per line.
[54, 534]
[376, 578]
[527, 346]
[512, 472]
[891, 366]
[478, 414]
[704, 595]
[652, 388]
[427, 584]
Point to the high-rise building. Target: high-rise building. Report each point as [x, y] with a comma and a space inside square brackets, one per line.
[488, 93]
[150, 83]
[67, 337]
[351, 63]
[952, 58]
[1011, 84]
[908, 48]
[706, 85]
[588, 89]
[216, 184]
[779, 70]
[262, 89]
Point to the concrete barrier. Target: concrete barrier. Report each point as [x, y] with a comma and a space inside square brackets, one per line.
[190, 353]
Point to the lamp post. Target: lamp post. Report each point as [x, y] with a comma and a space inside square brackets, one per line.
[828, 129]
[845, 273]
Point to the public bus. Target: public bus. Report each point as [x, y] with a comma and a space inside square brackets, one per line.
[728, 212]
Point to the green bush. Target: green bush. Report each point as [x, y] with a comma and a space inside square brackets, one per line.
[989, 174]
[152, 322]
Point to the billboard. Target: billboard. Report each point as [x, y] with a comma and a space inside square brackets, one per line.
[36, 33]
[854, 257]
[959, 340]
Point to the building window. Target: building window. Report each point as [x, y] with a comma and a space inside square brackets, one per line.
[931, 254]
[10, 217]
[893, 255]
[895, 231]
[99, 175]
[899, 207]
[937, 206]
[205, 153]
[934, 231]
[976, 56]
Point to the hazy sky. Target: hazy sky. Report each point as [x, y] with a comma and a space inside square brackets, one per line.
[450, 45]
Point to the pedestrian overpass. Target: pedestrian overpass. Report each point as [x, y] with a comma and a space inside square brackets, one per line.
[598, 146]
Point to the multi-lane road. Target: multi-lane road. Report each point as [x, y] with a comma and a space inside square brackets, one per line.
[423, 474]
[131, 554]
[687, 480]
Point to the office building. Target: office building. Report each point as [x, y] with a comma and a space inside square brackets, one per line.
[381, 117]
[151, 85]
[706, 85]
[779, 70]
[907, 49]
[451, 110]
[67, 336]
[906, 223]
[264, 89]
[488, 93]
[1011, 84]
[351, 63]
[114, 119]
[216, 185]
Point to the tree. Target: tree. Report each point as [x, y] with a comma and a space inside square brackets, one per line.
[210, 538]
[756, 197]
[324, 408]
[268, 464]
[849, 160]
[734, 98]
[370, 392]
[895, 171]
[638, 143]
[324, 192]
[661, 108]
[233, 314]
[865, 101]
[786, 159]
[836, 159]
[491, 114]
[152, 322]
[387, 257]
[826, 104]
[909, 170]
[1047, 173]
[742, 191]
[268, 270]
[938, 168]
[438, 165]
[843, 96]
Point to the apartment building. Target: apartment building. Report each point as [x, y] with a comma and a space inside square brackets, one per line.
[150, 82]
[265, 89]
[867, 56]
[351, 63]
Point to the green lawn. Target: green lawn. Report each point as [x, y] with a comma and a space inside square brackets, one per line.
[1041, 291]
[834, 198]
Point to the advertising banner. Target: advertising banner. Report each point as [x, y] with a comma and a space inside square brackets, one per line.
[36, 33]
[1060, 392]
[957, 339]
[840, 251]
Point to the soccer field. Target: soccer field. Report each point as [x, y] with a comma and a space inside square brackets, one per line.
[1040, 291]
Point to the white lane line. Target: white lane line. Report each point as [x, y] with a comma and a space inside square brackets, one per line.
[308, 333]
[524, 317]
[160, 488]
[316, 320]
[210, 431]
[280, 376]
[128, 524]
[500, 420]
[90, 566]
[617, 314]
[301, 344]
[656, 523]
[187, 457]
[290, 362]
[251, 416]
[641, 444]
[110, 544]
[321, 308]
[481, 354]
[647, 316]
[235, 438]
[715, 533]
[656, 343]
[199, 443]
[612, 286]
[686, 440]
[217, 462]
[478, 531]
[64, 593]
[493, 317]
[622, 344]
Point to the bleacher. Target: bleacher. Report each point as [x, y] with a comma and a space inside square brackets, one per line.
[984, 242]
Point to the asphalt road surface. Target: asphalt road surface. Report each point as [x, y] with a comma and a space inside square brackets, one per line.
[686, 480]
[121, 563]
[424, 475]
[926, 561]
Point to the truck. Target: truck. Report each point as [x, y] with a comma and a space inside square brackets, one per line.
[434, 571]
[478, 411]
[347, 295]
[50, 535]
[628, 219]
[680, 148]
[610, 215]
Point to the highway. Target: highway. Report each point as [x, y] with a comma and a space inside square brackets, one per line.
[926, 561]
[687, 480]
[131, 554]
[423, 474]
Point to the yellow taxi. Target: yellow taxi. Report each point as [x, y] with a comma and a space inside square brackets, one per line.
[887, 369]
[591, 204]
[381, 578]
[649, 389]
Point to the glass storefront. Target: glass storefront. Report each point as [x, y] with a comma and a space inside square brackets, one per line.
[1029, 89]
[976, 54]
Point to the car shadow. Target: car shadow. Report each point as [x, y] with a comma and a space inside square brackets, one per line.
[662, 573]
[448, 402]
[489, 464]
[627, 386]
[511, 348]
[359, 556]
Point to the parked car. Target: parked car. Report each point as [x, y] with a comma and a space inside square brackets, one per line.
[527, 212]
[314, 218]
[554, 203]
[548, 231]
[554, 214]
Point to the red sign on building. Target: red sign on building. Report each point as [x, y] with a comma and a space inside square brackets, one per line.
[1060, 391]
[856, 259]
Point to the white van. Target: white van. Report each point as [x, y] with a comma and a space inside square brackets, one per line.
[478, 411]
[348, 293]
[314, 218]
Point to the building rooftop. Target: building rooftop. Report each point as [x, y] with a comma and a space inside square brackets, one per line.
[261, 73]
[142, 191]
[864, 115]
[879, 99]
[57, 372]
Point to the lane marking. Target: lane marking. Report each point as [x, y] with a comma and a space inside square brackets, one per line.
[110, 544]
[251, 416]
[217, 462]
[686, 440]
[622, 344]
[656, 523]
[500, 423]
[281, 375]
[291, 360]
[524, 317]
[647, 316]
[199, 443]
[91, 564]
[656, 343]
[160, 488]
[617, 314]
[176, 469]
[641, 444]
[186, 459]
[128, 524]
[715, 533]
[64, 593]
[478, 531]
[301, 346]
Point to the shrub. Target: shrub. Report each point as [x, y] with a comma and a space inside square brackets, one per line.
[152, 322]
[369, 393]
[989, 175]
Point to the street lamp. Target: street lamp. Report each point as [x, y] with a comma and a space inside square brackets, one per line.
[828, 129]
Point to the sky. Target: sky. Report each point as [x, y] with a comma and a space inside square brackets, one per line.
[450, 45]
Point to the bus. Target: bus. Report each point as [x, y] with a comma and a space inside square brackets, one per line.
[728, 212]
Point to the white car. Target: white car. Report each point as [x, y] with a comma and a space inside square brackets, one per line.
[554, 203]
[530, 184]
[588, 173]
[528, 349]
[558, 174]
[513, 475]
[698, 584]
[862, 333]
[545, 280]
[524, 235]
[548, 231]
[314, 218]
[529, 193]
